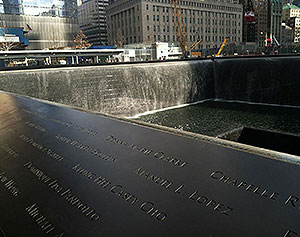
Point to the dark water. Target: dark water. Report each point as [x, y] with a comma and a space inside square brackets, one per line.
[214, 118]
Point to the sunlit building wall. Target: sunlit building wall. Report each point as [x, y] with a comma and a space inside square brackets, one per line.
[147, 21]
[50, 23]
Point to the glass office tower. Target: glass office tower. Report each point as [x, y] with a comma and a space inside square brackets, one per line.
[50, 23]
[12, 7]
[60, 8]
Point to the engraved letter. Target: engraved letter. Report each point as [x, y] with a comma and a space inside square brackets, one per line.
[292, 200]
[290, 233]
[216, 175]
[178, 189]
[273, 196]
[144, 206]
[114, 187]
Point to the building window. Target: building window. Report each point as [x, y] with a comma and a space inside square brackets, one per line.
[147, 7]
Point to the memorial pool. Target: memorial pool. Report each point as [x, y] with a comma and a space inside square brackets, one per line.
[214, 118]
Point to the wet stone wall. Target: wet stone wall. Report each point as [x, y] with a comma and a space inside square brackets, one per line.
[120, 89]
[126, 90]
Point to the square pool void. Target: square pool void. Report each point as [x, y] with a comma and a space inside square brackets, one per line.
[276, 141]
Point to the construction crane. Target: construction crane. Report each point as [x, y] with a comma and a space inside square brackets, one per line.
[221, 48]
[194, 45]
[180, 30]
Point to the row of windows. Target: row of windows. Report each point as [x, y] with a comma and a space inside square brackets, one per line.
[126, 31]
[195, 30]
[167, 38]
[200, 5]
[118, 5]
[193, 38]
[132, 19]
[129, 13]
[195, 12]
[196, 20]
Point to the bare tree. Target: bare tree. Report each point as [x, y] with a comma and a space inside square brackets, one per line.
[120, 39]
[81, 41]
[8, 45]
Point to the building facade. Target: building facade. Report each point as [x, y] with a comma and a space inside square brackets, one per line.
[262, 17]
[265, 23]
[294, 23]
[276, 21]
[291, 18]
[289, 11]
[249, 21]
[50, 24]
[92, 20]
[148, 21]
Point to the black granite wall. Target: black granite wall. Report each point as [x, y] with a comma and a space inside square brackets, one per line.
[273, 80]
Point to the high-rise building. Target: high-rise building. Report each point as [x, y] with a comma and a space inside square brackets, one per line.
[291, 17]
[249, 21]
[13, 6]
[146, 21]
[289, 11]
[50, 23]
[92, 20]
[276, 21]
[262, 21]
[262, 17]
